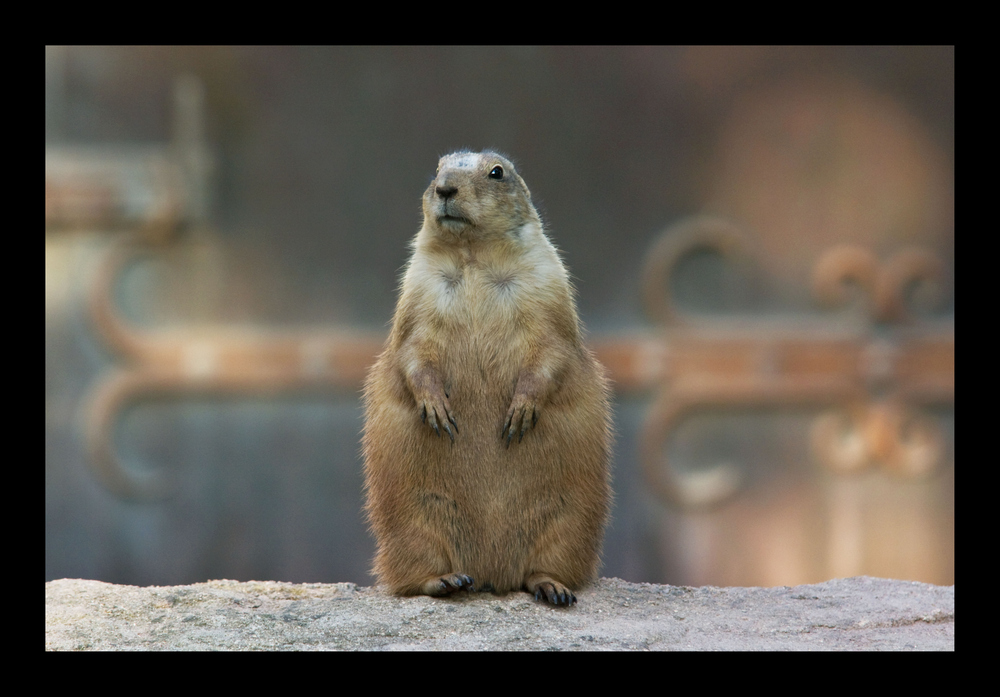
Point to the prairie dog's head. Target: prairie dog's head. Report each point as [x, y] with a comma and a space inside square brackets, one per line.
[478, 195]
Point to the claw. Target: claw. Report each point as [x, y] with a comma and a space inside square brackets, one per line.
[551, 594]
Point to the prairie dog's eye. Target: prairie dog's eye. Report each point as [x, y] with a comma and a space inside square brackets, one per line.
[496, 172]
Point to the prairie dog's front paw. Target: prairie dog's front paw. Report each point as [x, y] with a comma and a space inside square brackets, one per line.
[432, 402]
[435, 411]
[522, 415]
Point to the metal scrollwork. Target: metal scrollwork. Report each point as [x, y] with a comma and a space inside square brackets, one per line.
[873, 386]
[885, 284]
[208, 361]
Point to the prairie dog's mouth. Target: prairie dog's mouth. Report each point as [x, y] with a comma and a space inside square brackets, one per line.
[453, 220]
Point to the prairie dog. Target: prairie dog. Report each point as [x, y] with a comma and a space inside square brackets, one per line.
[487, 422]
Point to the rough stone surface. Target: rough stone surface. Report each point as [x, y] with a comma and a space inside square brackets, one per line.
[845, 614]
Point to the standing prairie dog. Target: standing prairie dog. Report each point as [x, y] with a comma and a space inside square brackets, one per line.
[487, 422]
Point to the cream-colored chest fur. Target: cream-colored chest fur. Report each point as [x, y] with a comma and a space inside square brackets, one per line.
[488, 302]
[486, 288]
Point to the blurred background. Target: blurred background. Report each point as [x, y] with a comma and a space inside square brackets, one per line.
[761, 238]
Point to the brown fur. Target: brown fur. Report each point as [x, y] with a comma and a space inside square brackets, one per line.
[487, 422]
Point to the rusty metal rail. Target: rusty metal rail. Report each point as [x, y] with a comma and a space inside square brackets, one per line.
[873, 384]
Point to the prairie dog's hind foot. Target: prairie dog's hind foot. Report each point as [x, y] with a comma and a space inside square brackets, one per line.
[543, 586]
[448, 584]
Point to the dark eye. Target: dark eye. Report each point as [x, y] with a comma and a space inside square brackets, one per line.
[496, 172]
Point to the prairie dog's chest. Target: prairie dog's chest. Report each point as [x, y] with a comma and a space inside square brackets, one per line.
[480, 292]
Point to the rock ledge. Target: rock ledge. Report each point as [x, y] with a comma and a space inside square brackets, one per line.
[860, 613]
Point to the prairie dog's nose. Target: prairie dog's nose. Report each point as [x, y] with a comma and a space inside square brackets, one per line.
[445, 190]
[447, 186]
